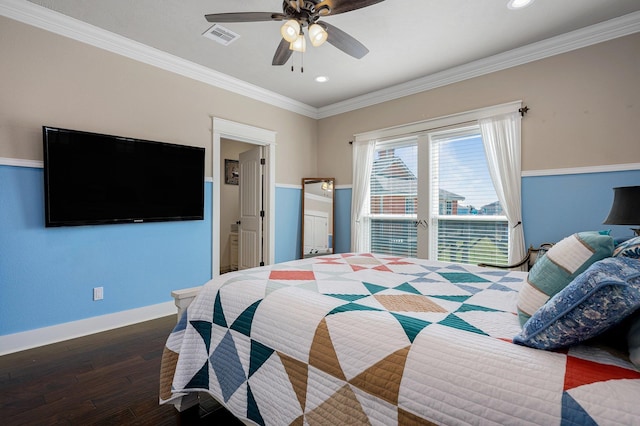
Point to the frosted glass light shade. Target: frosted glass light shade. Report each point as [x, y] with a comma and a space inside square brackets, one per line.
[299, 44]
[317, 35]
[290, 30]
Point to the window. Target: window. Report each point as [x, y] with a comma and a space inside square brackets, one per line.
[465, 220]
[426, 189]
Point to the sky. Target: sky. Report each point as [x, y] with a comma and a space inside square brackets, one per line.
[464, 169]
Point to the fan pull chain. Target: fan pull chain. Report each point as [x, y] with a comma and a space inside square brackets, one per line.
[301, 64]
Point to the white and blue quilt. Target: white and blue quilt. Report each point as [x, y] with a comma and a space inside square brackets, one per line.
[381, 340]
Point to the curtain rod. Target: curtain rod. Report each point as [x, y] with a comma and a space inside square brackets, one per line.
[525, 109]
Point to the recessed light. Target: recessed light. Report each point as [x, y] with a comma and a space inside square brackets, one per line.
[322, 79]
[519, 4]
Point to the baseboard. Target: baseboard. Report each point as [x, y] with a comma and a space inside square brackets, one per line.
[16, 342]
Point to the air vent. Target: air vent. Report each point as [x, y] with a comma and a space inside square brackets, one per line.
[221, 34]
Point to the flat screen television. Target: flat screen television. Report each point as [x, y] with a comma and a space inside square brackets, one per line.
[92, 179]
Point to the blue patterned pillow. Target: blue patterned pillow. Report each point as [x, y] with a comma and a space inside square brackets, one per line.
[597, 299]
[629, 248]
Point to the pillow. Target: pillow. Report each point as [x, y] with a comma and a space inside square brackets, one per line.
[606, 293]
[633, 341]
[559, 266]
[629, 248]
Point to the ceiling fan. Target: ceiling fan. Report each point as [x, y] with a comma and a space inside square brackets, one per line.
[298, 14]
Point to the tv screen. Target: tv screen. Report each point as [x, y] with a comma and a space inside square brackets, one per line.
[92, 178]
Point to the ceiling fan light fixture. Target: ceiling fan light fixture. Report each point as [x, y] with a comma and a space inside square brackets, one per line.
[299, 44]
[317, 35]
[290, 30]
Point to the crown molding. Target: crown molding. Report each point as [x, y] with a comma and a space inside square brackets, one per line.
[41, 17]
[57, 23]
[598, 33]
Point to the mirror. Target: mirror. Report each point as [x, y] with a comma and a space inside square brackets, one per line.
[317, 216]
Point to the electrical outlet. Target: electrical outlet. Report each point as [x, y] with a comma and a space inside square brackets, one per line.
[98, 293]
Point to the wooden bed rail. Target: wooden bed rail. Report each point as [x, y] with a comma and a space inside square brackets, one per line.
[183, 298]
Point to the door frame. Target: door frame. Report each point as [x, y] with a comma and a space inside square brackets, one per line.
[222, 128]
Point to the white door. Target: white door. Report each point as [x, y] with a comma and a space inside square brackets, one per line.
[316, 232]
[250, 250]
[308, 234]
[321, 237]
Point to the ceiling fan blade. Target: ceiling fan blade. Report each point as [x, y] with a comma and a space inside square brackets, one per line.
[344, 41]
[244, 17]
[342, 6]
[283, 53]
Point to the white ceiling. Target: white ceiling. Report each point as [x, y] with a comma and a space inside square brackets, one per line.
[408, 39]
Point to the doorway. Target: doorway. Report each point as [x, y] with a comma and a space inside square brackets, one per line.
[230, 151]
[225, 129]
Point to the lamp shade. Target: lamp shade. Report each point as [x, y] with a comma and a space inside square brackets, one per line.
[625, 209]
[317, 35]
[299, 44]
[290, 30]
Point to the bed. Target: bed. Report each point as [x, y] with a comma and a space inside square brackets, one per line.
[381, 340]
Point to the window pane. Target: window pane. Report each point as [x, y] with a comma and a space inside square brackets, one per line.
[462, 176]
[468, 223]
[472, 241]
[394, 237]
[394, 178]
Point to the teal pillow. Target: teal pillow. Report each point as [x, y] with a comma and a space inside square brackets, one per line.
[605, 294]
[629, 248]
[559, 266]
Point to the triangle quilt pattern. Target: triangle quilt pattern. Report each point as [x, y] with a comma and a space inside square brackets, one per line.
[315, 377]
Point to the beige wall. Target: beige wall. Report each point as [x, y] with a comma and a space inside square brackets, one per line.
[584, 105]
[585, 110]
[47, 79]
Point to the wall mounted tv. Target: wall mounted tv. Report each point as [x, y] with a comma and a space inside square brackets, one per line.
[92, 179]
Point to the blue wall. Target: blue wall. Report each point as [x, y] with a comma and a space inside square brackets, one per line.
[554, 207]
[47, 275]
[288, 224]
[343, 221]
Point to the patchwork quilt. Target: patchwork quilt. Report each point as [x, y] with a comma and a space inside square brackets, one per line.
[381, 340]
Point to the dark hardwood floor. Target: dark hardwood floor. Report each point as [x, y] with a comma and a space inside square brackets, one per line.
[109, 378]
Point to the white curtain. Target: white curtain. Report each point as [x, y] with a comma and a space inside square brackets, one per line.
[501, 136]
[363, 152]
